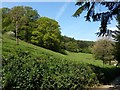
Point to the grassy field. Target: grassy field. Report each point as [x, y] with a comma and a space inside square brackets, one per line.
[85, 58]
[9, 46]
[26, 63]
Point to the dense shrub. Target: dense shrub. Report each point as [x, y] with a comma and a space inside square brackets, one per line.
[105, 75]
[45, 72]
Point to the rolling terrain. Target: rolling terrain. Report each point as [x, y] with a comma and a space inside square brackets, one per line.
[31, 67]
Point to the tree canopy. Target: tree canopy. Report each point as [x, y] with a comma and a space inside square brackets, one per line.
[72, 45]
[27, 25]
[103, 49]
[19, 19]
[113, 9]
[47, 34]
[117, 39]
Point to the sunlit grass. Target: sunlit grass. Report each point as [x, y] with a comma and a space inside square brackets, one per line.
[85, 58]
[9, 46]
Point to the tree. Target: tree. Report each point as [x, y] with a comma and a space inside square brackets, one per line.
[28, 23]
[103, 49]
[6, 21]
[16, 14]
[19, 19]
[113, 9]
[70, 44]
[47, 34]
[117, 39]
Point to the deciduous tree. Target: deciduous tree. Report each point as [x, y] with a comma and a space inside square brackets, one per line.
[103, 49]
[16, 14]
[47, 34]
[21, 20]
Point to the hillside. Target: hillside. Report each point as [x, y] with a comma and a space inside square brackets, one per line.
[28, 66]
[9, 47]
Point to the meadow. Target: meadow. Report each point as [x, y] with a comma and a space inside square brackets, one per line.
[9, 46]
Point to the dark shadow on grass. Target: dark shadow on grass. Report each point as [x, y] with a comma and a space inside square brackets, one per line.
[105, 75]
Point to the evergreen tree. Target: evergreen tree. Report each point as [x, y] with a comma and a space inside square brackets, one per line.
[113, 9]
[117, 43]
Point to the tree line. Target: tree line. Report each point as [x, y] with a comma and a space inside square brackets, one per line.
[29, 26]
[104, 17]
[72, 45]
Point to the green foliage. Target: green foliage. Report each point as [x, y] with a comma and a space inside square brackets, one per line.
[27, 66]
[84, 58]
[117, 43]
[72, 45]
[47, 34]
[85, 46]
[44, 32]
[19, 19]
[6, 20]
[105, 75]
[103, 49]
[69, 44]
[104, 16]
[19, 71]
[46, 72]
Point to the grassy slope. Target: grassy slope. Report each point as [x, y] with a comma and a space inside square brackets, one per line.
[59, 64]
[9, 46]
[84, 58]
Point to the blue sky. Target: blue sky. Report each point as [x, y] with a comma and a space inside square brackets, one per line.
[62, 12]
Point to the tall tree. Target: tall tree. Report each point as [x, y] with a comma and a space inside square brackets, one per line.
[113, 8]
[28, 23]
[16, 14]
[6, 20]
[23, 18]
[47, 34]
[117, 39]
[103, 49]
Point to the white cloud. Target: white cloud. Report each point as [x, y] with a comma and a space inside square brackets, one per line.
[38, 0]
[113, 28]
[62, 10]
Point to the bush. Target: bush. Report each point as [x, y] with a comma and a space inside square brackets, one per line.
[103, 50]
[45, 72]
[10, 33]
[105, 75]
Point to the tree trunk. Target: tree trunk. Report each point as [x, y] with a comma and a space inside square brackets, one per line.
[117, 64]
[109, 62]
[17, 40]
[103, 63]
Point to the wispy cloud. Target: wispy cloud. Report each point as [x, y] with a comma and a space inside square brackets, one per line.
[62, 10]
[38, 0]
[113, 28]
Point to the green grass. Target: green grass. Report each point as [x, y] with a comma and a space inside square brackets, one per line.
[9, 46]
[51, 68]
[84, 58]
